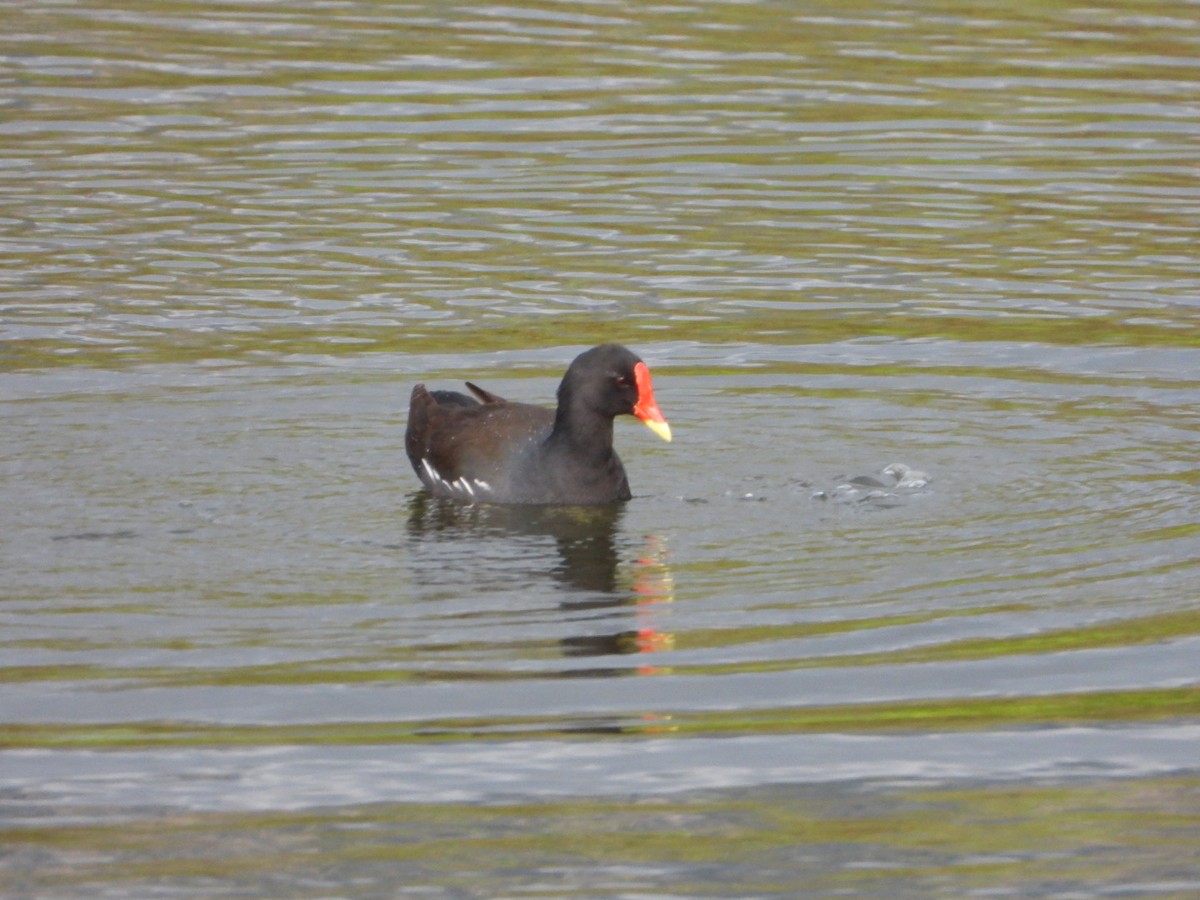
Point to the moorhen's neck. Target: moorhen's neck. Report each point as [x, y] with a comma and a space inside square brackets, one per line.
[584, 430]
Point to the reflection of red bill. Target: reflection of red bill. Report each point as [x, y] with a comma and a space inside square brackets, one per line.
[651, 641]
[656, 724]
[652, 582]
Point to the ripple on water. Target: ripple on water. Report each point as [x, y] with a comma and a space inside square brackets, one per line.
[235, 236]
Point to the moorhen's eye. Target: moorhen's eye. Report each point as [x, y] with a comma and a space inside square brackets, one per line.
[623, 382]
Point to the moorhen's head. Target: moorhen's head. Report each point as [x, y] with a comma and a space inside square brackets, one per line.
[612, 381]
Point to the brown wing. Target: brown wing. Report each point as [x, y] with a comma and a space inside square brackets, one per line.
[455, 448]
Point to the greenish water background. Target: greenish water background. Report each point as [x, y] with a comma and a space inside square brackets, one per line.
[240, 654]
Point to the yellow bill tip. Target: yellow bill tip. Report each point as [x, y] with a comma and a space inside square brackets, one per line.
[662, 429]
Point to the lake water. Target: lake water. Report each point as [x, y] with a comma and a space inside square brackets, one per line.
[243, 656]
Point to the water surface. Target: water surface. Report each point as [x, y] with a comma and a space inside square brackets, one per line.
[244, 656]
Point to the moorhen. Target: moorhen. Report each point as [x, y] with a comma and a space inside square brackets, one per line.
[490, 450]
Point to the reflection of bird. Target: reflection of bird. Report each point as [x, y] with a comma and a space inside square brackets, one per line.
[652, 586]
[588, 565]
[585, 537]
[496, 451]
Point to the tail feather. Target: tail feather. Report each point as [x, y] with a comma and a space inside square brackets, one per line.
[485, 396]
